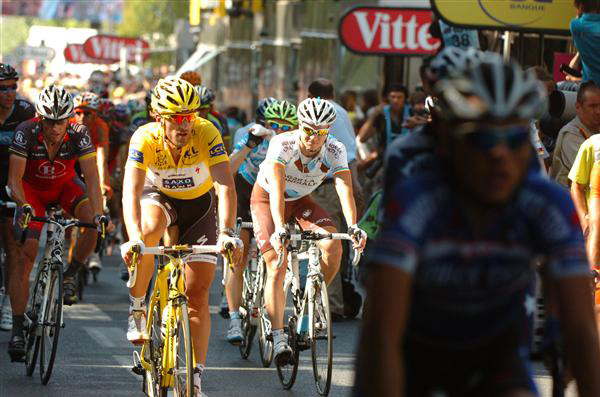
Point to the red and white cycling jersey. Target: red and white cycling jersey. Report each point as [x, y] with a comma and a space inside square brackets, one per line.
[42, 172]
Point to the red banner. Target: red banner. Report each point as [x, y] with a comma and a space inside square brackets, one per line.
[387, 31]
[107, 48]
[74, 53]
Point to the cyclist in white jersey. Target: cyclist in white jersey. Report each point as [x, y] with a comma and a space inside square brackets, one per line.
[296, 164]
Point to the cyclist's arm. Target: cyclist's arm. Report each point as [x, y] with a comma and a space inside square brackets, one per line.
[276, 195]
[368, 128]
[593, 241]
[578, 196]
[15, 178]
[381, 359]
[237, 158]
[581, 335]
[343, 187]
[133, 187]
[90, 174]
[223, 182]
[102, 154]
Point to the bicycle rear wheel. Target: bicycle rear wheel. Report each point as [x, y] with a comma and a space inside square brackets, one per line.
[32, 335]
[321, 344]
[183, 379]
[287, 373]
[51, 326]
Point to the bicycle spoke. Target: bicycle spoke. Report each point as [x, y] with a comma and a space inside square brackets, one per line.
[321, 342]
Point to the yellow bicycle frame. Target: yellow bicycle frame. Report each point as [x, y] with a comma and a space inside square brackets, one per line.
[165, 294]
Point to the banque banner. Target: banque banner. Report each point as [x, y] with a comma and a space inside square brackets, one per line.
[540, 16]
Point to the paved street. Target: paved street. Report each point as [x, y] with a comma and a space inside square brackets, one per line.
[94, 357]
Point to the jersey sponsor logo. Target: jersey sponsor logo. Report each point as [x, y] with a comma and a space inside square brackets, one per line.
[20, 138]
[217, 150]
[306, 213]
[136, 155]
[51, 170]
[302, 181]
[178, 183]
[85, 141]
[161, 160]
[335, 151]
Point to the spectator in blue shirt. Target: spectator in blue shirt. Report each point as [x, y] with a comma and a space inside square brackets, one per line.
[586, 35]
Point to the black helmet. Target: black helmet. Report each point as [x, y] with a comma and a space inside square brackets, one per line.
[263, 104]
[7, 72]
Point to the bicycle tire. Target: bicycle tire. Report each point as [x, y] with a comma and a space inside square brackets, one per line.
[248, 329]
[287, 373]
[51, 327]
[322, 338]
[153, 378]
[183, 334]
[34, 305]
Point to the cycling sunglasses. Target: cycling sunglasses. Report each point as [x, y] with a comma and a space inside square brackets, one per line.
[180, 118]
[280, 127]
[487, 138]
[310, 132]
[8, 88]
[83, 112]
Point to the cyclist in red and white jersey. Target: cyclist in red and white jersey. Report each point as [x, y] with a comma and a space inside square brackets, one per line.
[43, 154]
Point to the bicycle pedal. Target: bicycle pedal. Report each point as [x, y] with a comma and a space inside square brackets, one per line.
[138, 370]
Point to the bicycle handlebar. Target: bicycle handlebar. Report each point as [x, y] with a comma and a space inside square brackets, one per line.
[178, 250]
[309, 235]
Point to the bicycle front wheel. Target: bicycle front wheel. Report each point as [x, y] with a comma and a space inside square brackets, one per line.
[153, 355]
[287, 373]
[52, 323]
[265, 344]
[183, 379]
[321, 343]
[34, 307]
[248, 329]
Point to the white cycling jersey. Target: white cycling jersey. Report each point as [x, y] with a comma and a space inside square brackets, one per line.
[302, 174]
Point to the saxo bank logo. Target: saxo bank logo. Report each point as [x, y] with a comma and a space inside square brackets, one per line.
[515, 12]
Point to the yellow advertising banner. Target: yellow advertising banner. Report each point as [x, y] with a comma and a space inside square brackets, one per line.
[542, 16]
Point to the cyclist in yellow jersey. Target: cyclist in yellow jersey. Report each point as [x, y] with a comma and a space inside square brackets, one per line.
[173, 169]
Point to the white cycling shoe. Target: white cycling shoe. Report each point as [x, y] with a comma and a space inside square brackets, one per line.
[136, 327]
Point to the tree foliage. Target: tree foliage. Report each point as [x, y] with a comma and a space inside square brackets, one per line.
[154, 20]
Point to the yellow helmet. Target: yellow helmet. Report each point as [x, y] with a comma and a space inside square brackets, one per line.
[172, 95]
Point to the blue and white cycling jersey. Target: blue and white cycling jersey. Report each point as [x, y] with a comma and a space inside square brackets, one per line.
[469, 287]
[249, 168]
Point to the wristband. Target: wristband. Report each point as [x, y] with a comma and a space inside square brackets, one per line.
[228, 232]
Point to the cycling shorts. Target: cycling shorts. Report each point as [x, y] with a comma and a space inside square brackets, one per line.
[195, 218]
[308, 214]
[244, 192]
[69, 196]
[495, 369]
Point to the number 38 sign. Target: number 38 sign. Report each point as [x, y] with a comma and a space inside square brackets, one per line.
[540, 16]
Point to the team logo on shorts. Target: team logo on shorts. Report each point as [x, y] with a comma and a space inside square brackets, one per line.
[307, 212]
[217, 150]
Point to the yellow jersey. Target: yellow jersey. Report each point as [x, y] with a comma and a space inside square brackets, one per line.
[190, 177]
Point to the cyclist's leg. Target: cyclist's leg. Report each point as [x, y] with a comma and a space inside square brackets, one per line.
[311, 216]
[235, 280]
[74, 200]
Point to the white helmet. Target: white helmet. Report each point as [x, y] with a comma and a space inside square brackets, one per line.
[54, 103]
[317, 112]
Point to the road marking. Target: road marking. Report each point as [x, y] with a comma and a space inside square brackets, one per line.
[87, 312]
[108, 337]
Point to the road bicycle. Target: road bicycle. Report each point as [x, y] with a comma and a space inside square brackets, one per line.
[166, 359]
[252, 310]
[309, 325]
[44, 314]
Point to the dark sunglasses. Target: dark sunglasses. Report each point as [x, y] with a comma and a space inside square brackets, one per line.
[8, 88]
[53, 122]
[487, 138]
[180, 118]
[83, 112]
[280, 127]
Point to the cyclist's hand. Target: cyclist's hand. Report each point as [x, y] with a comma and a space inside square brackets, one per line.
[127, 250]
[233, 255]
[278, 238]
[359, 237]
[256, 134]
[105, 220]
[24, 214]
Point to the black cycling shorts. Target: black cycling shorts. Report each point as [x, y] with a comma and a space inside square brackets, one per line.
[244, 192]
[195, 218]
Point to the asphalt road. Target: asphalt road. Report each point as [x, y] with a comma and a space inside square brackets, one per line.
[94, 357]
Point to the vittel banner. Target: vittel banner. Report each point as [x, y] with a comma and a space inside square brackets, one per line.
[381, 30]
